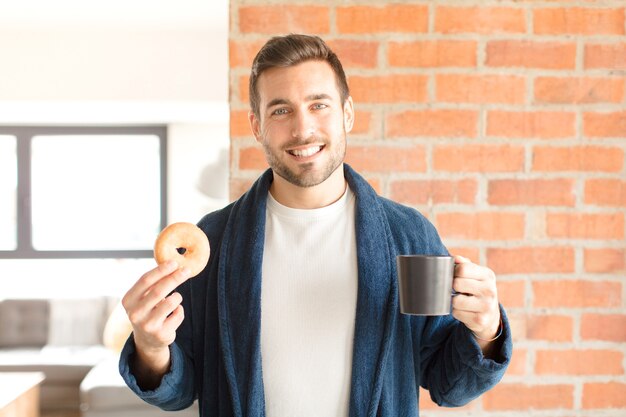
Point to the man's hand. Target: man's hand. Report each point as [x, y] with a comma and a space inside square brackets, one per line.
[476, 305]
[155, 316]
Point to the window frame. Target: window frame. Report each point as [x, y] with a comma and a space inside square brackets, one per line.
[24, 136]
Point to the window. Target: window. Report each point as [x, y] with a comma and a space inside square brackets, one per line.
[81, 192]
[8, 193]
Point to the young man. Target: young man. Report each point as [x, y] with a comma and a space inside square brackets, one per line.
[297, 312]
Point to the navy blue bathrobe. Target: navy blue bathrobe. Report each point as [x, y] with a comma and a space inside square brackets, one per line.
[216, 357]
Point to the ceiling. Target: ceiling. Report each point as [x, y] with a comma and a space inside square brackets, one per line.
[166, 14]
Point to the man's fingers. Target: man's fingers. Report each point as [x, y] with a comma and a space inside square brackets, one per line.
[167, 306]
[147, 280]
[157, 326]
[163, 287]
[464, 317]
[469, 303]
[174, 320]
[473, 271]
[469, 286]
[458, 259]
[145, 305]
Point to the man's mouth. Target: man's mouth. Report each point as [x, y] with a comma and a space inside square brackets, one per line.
[305, 152]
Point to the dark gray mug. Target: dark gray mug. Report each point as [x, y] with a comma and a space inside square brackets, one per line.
[425, 284]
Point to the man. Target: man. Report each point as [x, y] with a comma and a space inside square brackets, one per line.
[297, 311]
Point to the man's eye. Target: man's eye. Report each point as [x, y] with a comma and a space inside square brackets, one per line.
[279, 112]
[319, 106]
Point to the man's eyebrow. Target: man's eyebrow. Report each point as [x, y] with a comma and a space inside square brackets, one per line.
[311, 97]
[276, 102]
[322, 96]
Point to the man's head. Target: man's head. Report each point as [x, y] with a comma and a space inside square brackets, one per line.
[290, 50]
[301, 110]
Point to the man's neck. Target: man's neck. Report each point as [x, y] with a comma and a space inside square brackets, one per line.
[318, 196]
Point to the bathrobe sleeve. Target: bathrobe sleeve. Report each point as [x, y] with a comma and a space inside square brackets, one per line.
[177, 388]
[451, 364]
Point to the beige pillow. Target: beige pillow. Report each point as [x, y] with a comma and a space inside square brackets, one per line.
[117, 329]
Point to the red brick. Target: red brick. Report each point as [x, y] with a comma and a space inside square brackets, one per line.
[604, 125]
[581, 21]
[579, 362]
[461, 88]
[283, 18]
[481, 225]
[472, 254]
[238, 187]
[478, 158]
[487, 20]
[518, 325]
[389, 88]
[578, 90]
[511, 293]
[386, 159]
[577, 293]
[430, 53]
[387, 18]
[552, 192]
[604, 395]
[239, 124]
[605, 192]
[425, 403]
[608, 327]
[585, 226]
[362, 122]
[531, 54]
[244, 93]
[432, 123]
[374, 183]
[242, 53]
[517, 366]
[531, 124]
[605, 260]
[355, 53]
[606, 56]
[552, 328]
[517, 397]
[526, 260]
[415, 192]
[577, 158]
[252, 158]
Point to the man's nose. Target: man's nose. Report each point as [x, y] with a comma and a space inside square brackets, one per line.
[303, 125]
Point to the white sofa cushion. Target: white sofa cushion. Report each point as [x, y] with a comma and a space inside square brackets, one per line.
[104, 393]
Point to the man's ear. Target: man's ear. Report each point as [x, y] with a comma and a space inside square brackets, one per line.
[255, 125]
[348, 114]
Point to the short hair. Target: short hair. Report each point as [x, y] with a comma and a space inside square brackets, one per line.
[289, 50]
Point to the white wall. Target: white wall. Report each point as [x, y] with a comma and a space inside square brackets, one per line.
[122, 64]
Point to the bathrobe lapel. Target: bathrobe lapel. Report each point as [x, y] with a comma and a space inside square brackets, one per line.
[239, 299]
[376, 302]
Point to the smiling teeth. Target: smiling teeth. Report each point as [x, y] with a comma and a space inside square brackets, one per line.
[306, 152]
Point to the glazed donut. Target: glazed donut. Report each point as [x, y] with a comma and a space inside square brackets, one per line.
[184, 243]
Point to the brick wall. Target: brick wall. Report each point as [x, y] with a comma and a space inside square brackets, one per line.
[505, 123]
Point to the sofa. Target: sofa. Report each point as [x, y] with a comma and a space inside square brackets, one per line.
[103, 393]
[75, 343]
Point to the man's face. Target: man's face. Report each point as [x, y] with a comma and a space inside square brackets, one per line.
[302, 122]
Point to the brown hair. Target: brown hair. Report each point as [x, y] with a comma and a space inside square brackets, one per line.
[289, 50]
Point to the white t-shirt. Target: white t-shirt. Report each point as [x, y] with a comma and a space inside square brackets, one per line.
[308, 308]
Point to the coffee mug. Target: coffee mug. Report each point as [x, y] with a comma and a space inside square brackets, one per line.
[425, 284]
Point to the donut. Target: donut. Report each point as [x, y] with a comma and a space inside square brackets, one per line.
[184, 243]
